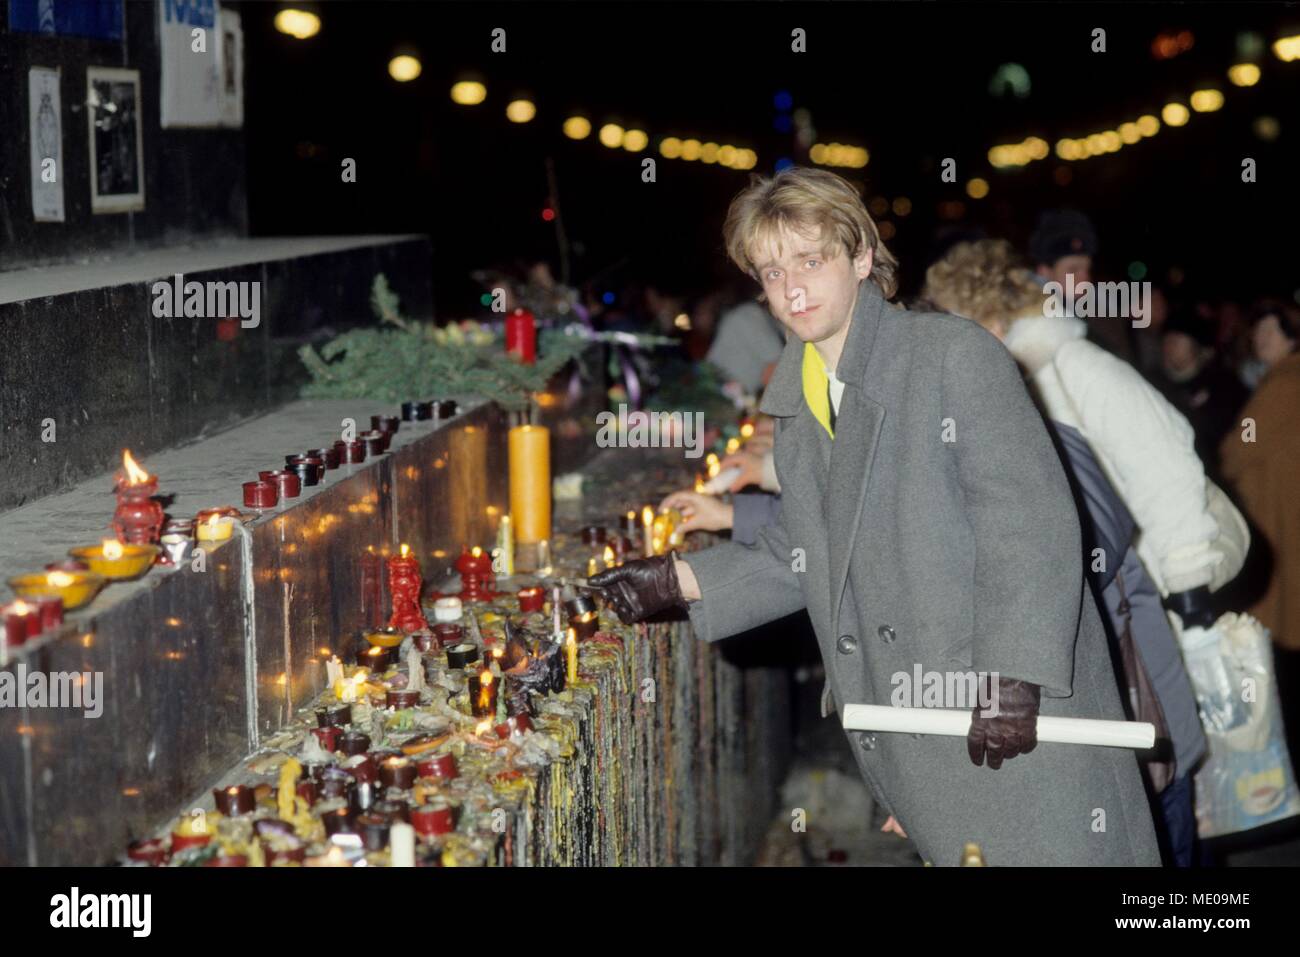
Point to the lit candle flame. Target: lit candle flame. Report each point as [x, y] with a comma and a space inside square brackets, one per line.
[134, 474]
[21, 607]
[714, 469]
[112, 549]
[711, 459]
[496, 653]
[59, 579]
[482, 727]
[212, 520]
[647, 516]
[747, 429]
[405, 549]
[609, 556]
[485, 678]
[476, 551]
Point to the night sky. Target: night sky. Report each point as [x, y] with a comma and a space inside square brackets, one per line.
[910, 82]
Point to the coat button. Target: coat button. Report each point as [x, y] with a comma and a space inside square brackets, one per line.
[847, 644]
[868, 742]
[886, 633]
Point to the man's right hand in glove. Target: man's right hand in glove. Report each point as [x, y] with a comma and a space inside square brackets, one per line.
[646, 586]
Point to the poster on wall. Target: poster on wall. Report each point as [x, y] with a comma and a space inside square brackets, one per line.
[100, 19]
[116, 140]
[232, 69]
[190, 51]
[46, 127]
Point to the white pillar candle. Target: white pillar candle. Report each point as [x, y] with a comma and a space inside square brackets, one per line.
[401, 839]
[447, 609]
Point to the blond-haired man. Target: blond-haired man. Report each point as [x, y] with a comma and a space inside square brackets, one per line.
[927, 527]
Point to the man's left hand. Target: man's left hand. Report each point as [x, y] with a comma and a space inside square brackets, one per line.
[1012, 731]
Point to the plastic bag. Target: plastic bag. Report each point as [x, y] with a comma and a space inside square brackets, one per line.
[1246, 780]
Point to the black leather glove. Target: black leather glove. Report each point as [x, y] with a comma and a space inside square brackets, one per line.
[1193, 607]
[641, 588]
[1012, 731]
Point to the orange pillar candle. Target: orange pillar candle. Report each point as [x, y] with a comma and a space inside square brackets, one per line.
[530, 482]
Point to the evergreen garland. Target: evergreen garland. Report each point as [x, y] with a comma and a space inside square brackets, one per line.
[421, 360]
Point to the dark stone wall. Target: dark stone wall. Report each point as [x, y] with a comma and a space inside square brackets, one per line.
[112, 375]
[195, 180]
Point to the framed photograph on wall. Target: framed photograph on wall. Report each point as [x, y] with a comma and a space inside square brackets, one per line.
[116, 140]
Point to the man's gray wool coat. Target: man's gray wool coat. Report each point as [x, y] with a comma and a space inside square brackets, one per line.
[938, 529]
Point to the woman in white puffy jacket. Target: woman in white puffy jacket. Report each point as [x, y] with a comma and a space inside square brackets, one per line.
[1122, 440]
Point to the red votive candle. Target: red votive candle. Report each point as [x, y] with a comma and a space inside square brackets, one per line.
[441, 767]
[385, 423]
[448, 633]
[401, 699]
[260, 494]
[330, 457]
[354, 742]
[234, 800]
[376, 442]
[531, 599]
[51, 611]
[397, 772]
[431, 820]
[329, 737]
[288, 484]
[353, 453]
[521, 336]
[22, 621]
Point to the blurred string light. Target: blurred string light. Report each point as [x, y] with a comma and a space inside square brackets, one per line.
[611, 135]
[692, 150]
[468, 93]
[1287, 49]
[1175, 114]
[520, 110]
[1018, 154]
[1207, 101]
[977, 188]
[577, 127]
[404, 68]
[1243, 74]
[299, 24]
[839, 154]
[635, 140]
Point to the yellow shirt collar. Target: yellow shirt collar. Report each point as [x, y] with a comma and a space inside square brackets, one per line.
[815, 385]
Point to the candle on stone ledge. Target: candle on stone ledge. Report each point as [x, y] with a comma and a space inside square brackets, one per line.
[530, 482]
[234, 800]
[117, 561]
[506, 546]
[647, 530]
[521, 336]
[138, 517]
[404, 584]
[571, 656]
[214, 525]
[482, 694]
[401, 841]
[21, 622]
[447, 610]
[531, 599]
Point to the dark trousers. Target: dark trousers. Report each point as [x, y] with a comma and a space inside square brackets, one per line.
[1176, 823]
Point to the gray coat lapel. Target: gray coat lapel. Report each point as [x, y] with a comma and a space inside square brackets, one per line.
[828, 480]
[857, 431]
